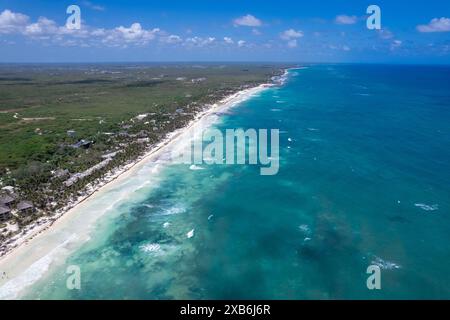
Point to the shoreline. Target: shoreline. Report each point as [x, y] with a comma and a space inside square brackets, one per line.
[49, 226]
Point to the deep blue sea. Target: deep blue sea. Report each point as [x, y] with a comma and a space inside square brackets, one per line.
[364, 180]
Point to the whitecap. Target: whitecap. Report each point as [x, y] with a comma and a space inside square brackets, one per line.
[150, 247]
[427, 207]
[11, 289]
[166, 225]
[304, 228]
[386, 265]
[177, 209]
[190, 234]
[174, 210]
[195, 168]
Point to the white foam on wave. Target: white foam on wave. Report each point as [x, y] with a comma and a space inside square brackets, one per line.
[426, 207]
[386, 265]
[12, 288]
[190, 234]
[155, 250]
[150, 247]
[173, 210]
[304, 228]
[156, 169]
[195, 167]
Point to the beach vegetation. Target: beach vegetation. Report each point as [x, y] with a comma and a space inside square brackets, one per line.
[63, 128]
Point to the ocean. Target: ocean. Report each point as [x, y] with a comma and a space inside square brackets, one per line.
[364, 179]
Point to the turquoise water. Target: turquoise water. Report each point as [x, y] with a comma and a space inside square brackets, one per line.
[364, 179]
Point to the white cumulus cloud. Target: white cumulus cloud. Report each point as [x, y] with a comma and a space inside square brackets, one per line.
[385, 34]
[344, 19]
[49, 32]
[228, 40]
[435, 25]
[291, 34]
[11, 22]
[396, 44]
[247, 21]
[291, 37]
[134, 34]
[199, 41]
[43, 26]
[172, 39]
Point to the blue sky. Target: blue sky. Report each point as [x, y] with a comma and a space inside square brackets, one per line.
[225, 30]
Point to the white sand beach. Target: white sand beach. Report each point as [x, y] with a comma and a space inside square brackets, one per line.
[33, 253]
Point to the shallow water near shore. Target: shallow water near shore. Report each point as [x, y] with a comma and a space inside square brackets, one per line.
[363, 180]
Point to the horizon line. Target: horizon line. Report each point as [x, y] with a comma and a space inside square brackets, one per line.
[220, 62]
